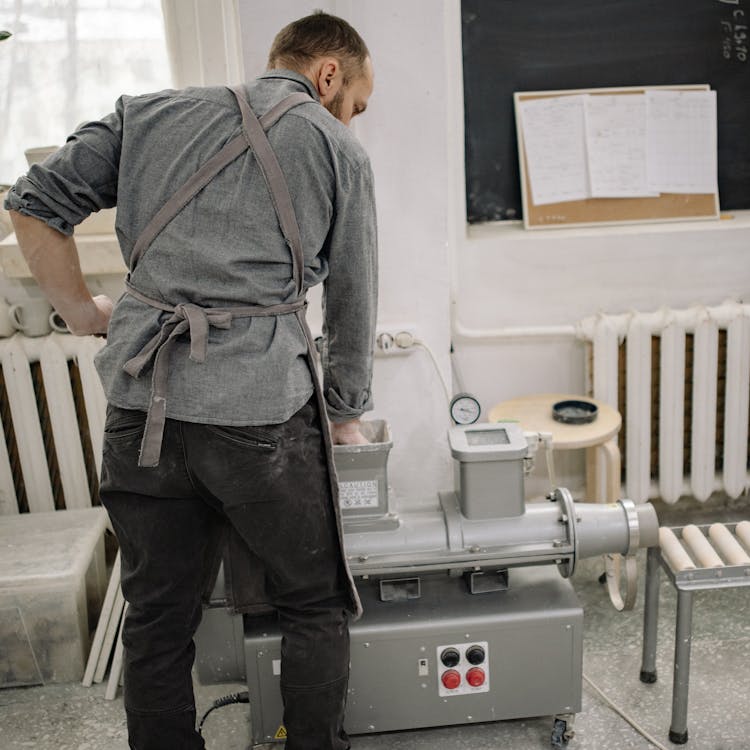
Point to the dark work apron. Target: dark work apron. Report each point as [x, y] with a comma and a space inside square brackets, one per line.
[194, 321]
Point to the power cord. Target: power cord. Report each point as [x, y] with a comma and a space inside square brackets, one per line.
[458, 379]
[620, 712]
[227, 700]
[244, 697]
[421, 344]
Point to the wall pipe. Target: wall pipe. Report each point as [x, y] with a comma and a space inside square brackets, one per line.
[511, 333]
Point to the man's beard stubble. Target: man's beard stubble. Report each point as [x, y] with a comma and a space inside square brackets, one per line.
[336, 104]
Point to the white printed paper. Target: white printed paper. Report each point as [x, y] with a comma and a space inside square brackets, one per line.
[616, 145]
[682, 142]
[554, 142]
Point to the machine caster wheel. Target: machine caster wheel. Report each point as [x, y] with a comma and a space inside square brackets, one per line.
[561, 735]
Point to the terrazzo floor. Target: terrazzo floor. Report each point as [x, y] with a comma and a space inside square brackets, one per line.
[71, 717]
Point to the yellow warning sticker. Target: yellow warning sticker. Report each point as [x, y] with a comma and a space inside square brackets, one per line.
[280, 733]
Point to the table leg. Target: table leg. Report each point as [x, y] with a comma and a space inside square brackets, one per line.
[650, 616]
[612, 466]
[593, 493]
[682, 640]
[607, 456]
[613, 563]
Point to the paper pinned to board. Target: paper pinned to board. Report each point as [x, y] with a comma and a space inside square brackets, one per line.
[637, 145]
[555, 143]
[682, 141]
[616, 138]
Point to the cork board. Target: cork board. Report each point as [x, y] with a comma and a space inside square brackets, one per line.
[602, 211]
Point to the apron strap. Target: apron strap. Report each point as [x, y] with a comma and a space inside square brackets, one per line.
[277, 185]
[270, 118]
[216, 164]
[184, 195]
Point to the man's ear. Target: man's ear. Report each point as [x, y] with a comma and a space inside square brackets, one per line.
[328, 78]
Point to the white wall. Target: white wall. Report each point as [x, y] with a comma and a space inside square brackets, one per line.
[506, 276]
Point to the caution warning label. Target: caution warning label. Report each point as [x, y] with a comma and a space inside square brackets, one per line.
[280, 733]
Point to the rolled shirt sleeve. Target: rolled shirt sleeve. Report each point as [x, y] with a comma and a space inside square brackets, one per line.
[75, 181]
[350, 298]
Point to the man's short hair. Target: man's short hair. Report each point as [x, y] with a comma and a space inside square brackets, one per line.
[303, 41]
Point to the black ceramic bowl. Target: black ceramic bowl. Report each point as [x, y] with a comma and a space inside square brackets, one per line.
[574, 412]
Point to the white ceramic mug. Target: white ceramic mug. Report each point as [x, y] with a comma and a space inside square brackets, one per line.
[6, 325]
[39, 154]
[56, 323]
[31, 317]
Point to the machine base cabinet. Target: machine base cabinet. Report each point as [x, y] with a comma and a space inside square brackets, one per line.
[468, 613]
[448, 657]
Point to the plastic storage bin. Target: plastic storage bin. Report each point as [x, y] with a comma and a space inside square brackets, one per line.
[52, 582]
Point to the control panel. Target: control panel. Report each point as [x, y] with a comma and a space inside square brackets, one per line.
[463, 668]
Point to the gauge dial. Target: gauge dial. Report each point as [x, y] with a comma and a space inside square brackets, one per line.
[465, 409]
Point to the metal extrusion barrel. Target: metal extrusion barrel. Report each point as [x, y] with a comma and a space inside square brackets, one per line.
[544, 534]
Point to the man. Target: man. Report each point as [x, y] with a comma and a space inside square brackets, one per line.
[212, 411]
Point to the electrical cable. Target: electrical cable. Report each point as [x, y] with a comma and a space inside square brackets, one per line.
[244, 697]
[227, 700]
[446, 390]
[620, 712]
[458, 379]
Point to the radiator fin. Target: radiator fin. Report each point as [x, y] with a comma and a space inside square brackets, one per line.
[13, 488]
[681, 380]
[52, 409]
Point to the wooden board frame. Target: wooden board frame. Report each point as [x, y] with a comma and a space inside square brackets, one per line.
[604, 211]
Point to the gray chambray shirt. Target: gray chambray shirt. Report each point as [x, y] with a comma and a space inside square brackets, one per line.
[225, 247]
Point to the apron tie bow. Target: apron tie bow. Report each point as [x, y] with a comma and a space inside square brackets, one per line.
[199, 319]
[193, 320]
[185, 318]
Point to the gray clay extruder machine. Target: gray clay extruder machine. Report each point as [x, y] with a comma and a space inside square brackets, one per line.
[469, 615]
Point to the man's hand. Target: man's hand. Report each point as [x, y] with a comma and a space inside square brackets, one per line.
[347, 433]
[90, 318]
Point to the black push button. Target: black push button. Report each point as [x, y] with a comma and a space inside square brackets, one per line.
[450, 657]
[475, 655]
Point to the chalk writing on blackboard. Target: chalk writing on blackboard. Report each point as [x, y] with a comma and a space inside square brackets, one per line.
[734, 41]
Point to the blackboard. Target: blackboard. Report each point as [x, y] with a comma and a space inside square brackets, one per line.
[517, 45]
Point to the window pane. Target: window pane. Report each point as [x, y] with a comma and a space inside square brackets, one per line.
[67, 62]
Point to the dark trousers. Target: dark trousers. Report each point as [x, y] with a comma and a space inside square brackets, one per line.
[271, 483]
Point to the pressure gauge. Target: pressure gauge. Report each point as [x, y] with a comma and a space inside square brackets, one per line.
[465, 409]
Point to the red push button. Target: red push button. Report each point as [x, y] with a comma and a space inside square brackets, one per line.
[451, 679]
[475, 677]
